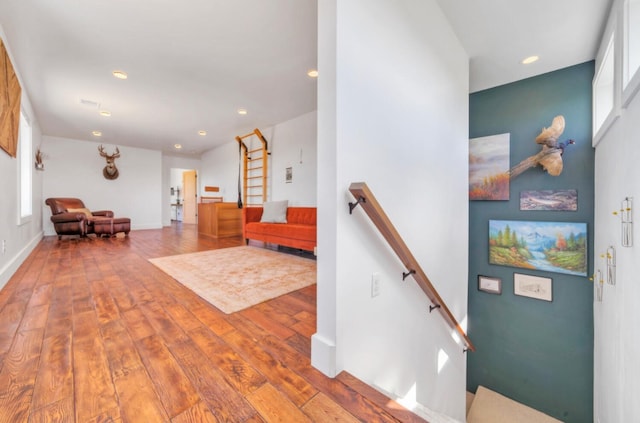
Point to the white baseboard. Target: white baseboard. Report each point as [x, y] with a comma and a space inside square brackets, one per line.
[323, 355]
[10, 268]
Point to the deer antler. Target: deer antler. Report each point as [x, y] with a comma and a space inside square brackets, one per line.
[101, 150]
[116, 154]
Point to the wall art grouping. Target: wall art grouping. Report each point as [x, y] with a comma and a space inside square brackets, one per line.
[550, 246]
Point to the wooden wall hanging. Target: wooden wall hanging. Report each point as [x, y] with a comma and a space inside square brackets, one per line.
[9, 104]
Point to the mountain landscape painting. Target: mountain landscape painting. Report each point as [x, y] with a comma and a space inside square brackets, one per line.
[551, 246]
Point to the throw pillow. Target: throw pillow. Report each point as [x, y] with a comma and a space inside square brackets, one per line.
[274, 211]
[81, 210]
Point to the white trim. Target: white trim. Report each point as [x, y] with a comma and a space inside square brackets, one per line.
[12, 265]
[323, 355]
[630, 83]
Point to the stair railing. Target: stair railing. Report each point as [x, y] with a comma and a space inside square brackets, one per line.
[365, 198]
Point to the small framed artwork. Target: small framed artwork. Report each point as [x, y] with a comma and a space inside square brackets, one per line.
[288, 175]
[532, 286]
[490, 285]
[554, 200]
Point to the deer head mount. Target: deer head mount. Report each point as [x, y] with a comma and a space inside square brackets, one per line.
[110, 171]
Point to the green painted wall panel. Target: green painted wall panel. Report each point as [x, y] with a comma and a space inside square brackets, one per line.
[537, 352]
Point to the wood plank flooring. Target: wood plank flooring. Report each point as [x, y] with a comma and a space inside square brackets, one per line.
[90, 331]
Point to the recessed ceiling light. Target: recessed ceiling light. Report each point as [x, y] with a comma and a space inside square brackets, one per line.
[105, 113]
[177, 146]
[313, 73]
[120, 74]
[97, 133]
[202, 132]
[529, 60]
[242, 111]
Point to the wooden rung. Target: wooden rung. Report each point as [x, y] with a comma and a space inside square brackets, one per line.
[256, 150]
[211, 189]
[254, 177]
[254, 195]
[247, 136]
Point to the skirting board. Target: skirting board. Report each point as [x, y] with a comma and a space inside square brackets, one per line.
[12, 265]
[323, 355]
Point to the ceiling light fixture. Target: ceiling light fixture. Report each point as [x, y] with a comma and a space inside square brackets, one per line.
[242, 111]
[105, 113]
[202, 132]
[97, 133]
[119, 74]
[313, 73]
[177, 146]
[529, 60]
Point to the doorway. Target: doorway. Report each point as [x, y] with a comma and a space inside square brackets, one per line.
[183, 198]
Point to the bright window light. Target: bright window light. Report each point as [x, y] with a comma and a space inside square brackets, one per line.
[25, 151]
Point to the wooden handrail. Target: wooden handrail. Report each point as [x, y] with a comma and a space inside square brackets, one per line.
[365, 198]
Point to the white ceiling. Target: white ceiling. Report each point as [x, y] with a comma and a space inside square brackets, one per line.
[192, 64]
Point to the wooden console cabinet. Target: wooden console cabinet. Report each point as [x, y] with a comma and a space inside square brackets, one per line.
[219, 220]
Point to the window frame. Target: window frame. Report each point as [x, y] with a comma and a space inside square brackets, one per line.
[631, 46]
[25, 169]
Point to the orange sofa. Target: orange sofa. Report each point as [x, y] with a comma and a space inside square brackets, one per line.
[298, 232]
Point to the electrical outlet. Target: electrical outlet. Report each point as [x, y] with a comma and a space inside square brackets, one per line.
[375, 285]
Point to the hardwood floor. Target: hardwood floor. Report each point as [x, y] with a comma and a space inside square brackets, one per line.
[90, 331]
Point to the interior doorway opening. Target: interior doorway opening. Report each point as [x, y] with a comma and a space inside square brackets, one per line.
[183, 197]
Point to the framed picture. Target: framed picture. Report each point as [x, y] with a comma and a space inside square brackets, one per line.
[9, 105]
[490, 285]
[489, 167]
[552, 246]
[288, 175]
[532, 286]
[554, 200]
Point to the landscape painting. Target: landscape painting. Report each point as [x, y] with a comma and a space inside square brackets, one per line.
[489, 167]
[554, 200]
[551, 246]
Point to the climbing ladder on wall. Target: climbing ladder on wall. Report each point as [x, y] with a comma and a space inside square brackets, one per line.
[255, 160]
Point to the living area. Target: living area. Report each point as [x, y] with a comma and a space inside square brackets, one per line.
[414, 159]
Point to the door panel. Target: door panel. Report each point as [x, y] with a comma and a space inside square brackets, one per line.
[189, 209]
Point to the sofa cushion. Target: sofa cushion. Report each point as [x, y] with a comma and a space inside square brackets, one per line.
[275, 212]
[302, 215]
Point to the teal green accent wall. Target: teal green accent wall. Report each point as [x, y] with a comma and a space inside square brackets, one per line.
[537, 352]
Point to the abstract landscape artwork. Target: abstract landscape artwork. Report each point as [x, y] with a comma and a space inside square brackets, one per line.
[559, 247]
[489, 167]
[554, 200]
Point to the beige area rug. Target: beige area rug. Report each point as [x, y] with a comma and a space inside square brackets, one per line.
[235, 278]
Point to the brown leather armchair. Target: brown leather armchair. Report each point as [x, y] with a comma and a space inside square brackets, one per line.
[71, 217]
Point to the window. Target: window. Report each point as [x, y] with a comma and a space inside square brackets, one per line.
[631, 54]
[603, 89]
[25, 155]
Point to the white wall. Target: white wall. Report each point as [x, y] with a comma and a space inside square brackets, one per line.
[291, 143]
[74, 169]
[20, 240]
[392, 112]
[617, 317]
